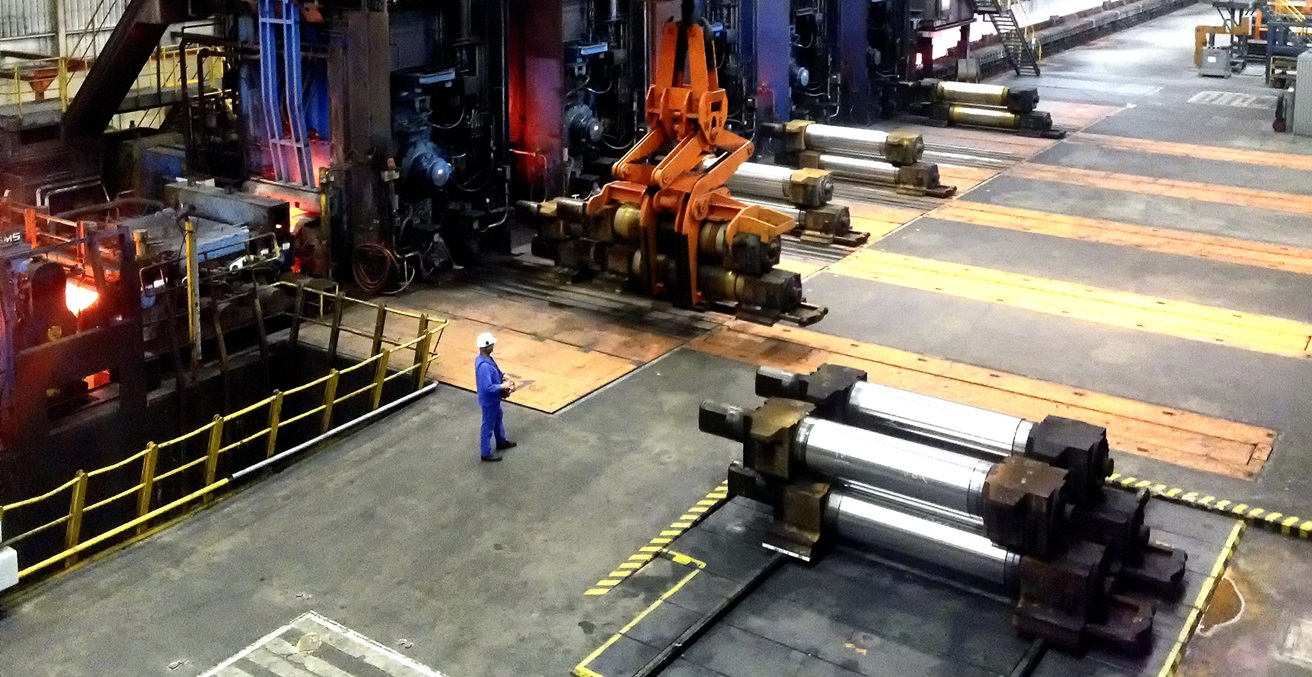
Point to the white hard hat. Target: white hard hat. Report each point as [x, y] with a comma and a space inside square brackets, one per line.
[486, 339]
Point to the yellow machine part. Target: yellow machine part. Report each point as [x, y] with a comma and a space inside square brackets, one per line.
[971, 93]
[1203, 35]
[983, 117]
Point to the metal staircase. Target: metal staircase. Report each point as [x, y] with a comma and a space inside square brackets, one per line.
[1017, 49]
[134, 39]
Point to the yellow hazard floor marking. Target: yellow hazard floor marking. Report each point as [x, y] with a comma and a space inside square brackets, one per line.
[1254, 157]
[1201, 601]
[1196, 322]
[1147, 185]
[1275, 522]
[582, 669]
[1163, 240]
[657, 545]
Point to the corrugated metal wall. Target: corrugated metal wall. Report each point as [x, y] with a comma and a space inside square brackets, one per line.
[30, 25]
[24, 18]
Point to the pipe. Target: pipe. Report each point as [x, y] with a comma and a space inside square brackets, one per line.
[193, 290]
[863, 522]
[901, 466]
[335, 431]
[44, 193]
[123, 202]
[878, 407]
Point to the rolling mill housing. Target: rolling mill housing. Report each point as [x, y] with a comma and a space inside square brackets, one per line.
[849, 337]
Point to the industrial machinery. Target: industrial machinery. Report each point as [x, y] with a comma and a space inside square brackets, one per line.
[1010, 505]
[891, 159]
[979, 105]
[821, 74]
[70, 341]
[577, 67]
[100, 305]
[400, 155]
[1222, 60]
[666, 224]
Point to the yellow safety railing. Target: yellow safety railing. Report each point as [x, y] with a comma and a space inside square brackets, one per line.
[29, 85]
[25, 83]
[1287, 8]
[97, 29]
[145, 469]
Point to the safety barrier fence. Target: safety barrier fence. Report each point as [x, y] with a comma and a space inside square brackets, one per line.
[188, 470]
[28, 85]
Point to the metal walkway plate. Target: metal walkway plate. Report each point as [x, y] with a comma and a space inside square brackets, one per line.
[313, 646]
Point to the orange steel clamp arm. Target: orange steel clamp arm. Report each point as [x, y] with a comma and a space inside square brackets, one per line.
[685, 109]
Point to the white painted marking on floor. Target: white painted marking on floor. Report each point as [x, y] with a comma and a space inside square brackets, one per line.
[232, 671]
[273, 663]
[374, 654]
[277, 655]
[1296, 648]
[309, 661]
[1234, 99]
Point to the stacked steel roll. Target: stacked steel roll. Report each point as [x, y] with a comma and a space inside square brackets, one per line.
[1005, 503]
[979, 105]
[868, 156]
[803, 194]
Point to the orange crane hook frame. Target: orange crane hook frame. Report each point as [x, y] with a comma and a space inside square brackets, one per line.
[686, 109]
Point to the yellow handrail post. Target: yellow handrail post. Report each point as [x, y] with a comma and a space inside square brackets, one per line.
[147, 481]
[329, 399]
[63, 82]
[212, 456]
[380, 378]
[421, 353]
[275, 420]
[73, 532]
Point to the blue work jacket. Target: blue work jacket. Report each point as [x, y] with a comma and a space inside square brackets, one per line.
[487, 377]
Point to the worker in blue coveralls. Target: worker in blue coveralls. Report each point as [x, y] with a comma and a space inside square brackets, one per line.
[493, 386]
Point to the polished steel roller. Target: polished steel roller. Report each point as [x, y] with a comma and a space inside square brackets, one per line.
[879, 407]
[901, 466]
[891, 532]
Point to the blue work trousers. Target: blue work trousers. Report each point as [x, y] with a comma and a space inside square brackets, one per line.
[493, 427]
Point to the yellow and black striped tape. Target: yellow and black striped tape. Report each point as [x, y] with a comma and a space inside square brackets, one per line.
[1201, 602]
[657, 545]
[695, 566]
[1275, 522]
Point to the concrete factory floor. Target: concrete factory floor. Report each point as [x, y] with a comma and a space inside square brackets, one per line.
[1151, 273]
